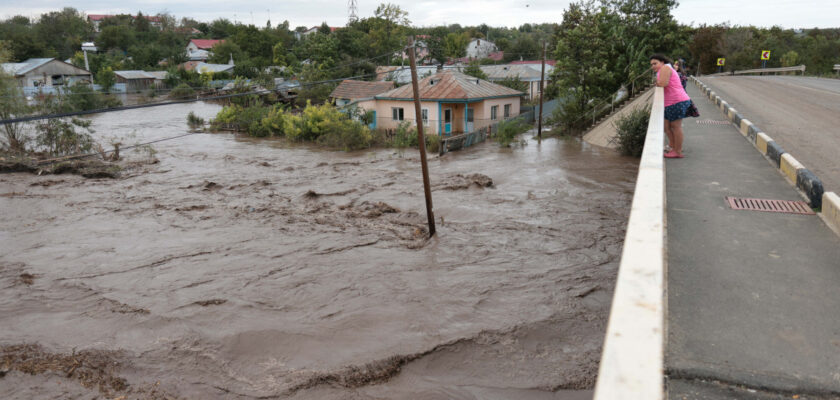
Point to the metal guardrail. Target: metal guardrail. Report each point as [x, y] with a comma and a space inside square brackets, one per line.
[837, 67]
[800, 68]
[633, 356]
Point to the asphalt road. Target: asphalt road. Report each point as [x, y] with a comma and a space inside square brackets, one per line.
[802, 114]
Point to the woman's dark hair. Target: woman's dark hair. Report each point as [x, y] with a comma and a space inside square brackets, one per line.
[661, 58]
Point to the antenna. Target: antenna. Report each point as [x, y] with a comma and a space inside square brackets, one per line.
[352, 11]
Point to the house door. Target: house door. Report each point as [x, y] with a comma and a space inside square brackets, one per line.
[469, 120]
[372, 124]
[447, 121]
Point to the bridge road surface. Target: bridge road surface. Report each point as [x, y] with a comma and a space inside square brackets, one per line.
[802, 114]
[753, 298]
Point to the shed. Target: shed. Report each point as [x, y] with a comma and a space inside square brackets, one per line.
[135, 80]
[47, 72]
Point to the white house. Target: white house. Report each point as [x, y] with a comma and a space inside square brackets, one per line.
[480, 48]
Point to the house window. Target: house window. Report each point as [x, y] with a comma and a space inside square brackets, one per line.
[507, 110]
[424, 114]
[494, 112]
[397, 113]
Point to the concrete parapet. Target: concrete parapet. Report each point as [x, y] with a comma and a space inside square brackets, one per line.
[744, 126]
[730, 113]
[790, 166]
[761, 141]
[736, 119]
[812, 186]
[632, 360]
[831, 210]
[774, 153]
[724, 106]
[752, 132]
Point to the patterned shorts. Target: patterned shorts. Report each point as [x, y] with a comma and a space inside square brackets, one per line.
[677, 111]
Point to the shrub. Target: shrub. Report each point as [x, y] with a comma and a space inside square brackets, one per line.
[509, 129]
[182, 91]
[405, 135]
[631, 131]
[194, 121]
[345, 134]
[60, 137]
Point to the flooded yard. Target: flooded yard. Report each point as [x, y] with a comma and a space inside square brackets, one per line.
[238, 268]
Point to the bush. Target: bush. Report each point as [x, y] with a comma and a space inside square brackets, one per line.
[194, 121]
[60, 137]
[631, 131]
[182, 91]
[81, 97]
[509, 129]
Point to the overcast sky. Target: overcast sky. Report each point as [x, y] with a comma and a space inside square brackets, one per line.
[786, 13]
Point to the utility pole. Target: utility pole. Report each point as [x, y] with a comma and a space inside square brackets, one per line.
[421, 138]
[542, 79]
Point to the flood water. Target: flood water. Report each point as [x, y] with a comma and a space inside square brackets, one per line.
[238, 268]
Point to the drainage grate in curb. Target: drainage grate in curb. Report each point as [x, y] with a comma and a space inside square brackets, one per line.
[781, 206]
[712, 122]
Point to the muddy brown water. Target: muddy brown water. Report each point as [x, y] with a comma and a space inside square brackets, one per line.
[238, 269]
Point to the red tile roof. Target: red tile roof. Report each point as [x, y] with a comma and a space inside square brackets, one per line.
[495, 56]
[206, 44]
[452, 85]
[349, 89]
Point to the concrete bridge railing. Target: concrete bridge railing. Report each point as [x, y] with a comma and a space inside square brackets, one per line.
[633, 356]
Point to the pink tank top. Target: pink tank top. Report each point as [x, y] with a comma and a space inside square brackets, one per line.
[674, 92]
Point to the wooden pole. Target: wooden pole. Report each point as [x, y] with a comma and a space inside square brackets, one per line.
[421, 139]
[542, 89]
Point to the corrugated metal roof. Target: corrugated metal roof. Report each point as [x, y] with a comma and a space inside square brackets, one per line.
[350, 89]
[159, 75]
[134, 74]
[452, 85]
[524, 72]
[204, 67]
[26, 66]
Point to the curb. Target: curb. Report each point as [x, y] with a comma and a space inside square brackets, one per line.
[801, 178]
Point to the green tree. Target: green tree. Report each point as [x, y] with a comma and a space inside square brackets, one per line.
[223, 51]
[12, 104]
[106, 79]
[790, 59]
[474, 69]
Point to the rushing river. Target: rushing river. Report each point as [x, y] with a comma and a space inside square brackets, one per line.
[241, 268]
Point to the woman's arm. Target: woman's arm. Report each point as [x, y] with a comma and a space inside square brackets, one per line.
[664, 76]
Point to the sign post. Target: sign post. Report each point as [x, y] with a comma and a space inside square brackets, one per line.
[720, 63]
[765, 55]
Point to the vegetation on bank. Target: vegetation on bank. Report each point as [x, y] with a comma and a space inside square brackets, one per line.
[631, 130]
[323, 124]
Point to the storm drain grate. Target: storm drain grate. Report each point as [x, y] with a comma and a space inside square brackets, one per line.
[712, 122]
[781, 206]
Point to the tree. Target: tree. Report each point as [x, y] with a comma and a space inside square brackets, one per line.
[12, 104]
[790, 59]
[474, 69]
[106, 79]
[223, 51]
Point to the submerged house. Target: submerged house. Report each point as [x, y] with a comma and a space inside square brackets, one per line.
[451, 103]
[47, 72]
[135, 80]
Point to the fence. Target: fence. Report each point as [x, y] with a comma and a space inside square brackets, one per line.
[800, 68]
[459, 142]
[633, 356]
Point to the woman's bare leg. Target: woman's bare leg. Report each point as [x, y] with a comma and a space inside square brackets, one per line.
[669, 134]
[676, 136]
